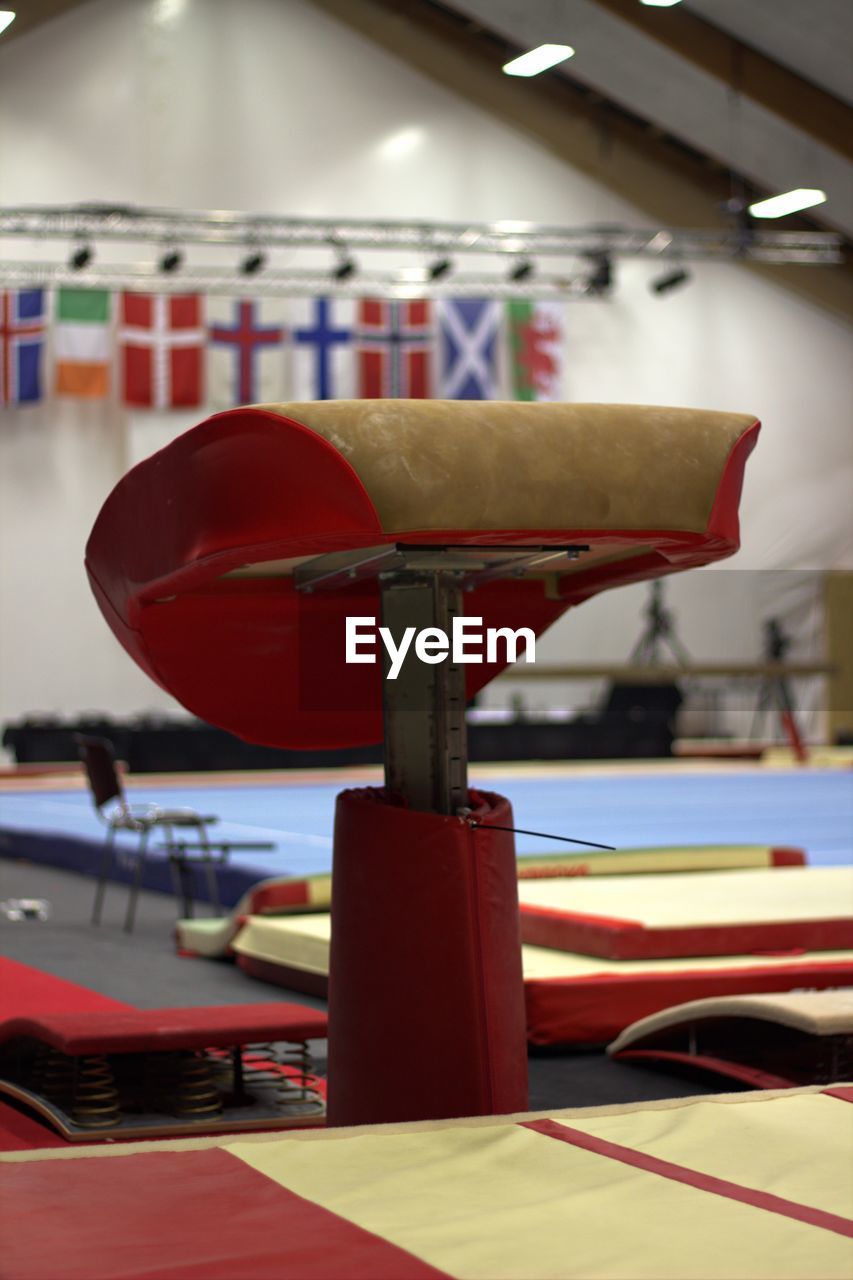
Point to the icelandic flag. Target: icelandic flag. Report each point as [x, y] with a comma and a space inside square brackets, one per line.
[322, 359]
[468, 330]
[22, 335]
[245, 351]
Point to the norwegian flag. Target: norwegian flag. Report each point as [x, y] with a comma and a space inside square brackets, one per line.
[394, 342]
[22, 333]
[162, 338]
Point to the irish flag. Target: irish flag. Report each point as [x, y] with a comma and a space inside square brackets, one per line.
[82, 342]
[536, 348]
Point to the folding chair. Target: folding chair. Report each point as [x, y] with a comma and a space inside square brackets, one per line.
[113, 808]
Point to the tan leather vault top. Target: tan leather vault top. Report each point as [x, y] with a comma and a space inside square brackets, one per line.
[444, 464]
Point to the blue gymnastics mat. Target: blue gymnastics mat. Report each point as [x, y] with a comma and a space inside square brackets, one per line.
[810, 809]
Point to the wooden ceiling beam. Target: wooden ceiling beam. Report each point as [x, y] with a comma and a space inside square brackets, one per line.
[744, 69]
[673, 184]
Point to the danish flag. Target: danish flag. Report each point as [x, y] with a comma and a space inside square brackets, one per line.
[394, 349]
[162, 340]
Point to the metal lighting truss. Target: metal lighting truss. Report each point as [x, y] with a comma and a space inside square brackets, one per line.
[576, 250]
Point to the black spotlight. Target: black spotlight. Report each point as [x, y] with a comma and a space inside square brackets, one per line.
[600, 280]
[81, 257]
[671, 280]
[171, 260]
[253, 263]
[345, 269]
[440, 268]
[522, 270]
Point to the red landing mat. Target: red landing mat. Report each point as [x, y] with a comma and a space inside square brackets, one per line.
[28, 991]
[738, 1187]
[571, 999]
[709, 913]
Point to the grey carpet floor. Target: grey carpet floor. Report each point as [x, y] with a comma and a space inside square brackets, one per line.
[144, 970]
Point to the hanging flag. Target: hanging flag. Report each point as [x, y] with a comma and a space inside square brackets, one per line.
[322, 350]
[537, 349]
[246, 362]
[162, 345]
[22, 330]
[468, 348]
[81, 343]
[394, 349]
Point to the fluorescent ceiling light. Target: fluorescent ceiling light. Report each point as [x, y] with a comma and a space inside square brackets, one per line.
[7, 16]
[660, 4]
[787, 202]
[539, 59]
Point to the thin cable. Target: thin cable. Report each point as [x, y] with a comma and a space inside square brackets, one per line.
[520, 831]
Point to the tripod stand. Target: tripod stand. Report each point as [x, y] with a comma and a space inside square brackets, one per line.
[774, 690]
[659, 632]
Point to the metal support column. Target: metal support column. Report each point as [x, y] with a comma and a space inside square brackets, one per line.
[426, 748]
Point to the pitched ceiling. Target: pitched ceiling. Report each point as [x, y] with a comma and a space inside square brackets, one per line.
[777, 126]
[815, 38]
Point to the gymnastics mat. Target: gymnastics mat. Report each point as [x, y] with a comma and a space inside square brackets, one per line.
[765, 1041]
[737, 1187]
[708, 913]
[570, 999]
[211, 936]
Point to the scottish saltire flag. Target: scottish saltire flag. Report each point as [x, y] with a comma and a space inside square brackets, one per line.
[537, 349]
[394, 341]
[468, 330]
[245, 351]
[321, 349]
[22, 335]
[162, 338]
[82, 342]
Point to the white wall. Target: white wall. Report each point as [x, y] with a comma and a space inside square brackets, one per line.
[269, 105]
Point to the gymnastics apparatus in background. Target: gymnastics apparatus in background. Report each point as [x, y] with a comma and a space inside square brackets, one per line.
[227, 564]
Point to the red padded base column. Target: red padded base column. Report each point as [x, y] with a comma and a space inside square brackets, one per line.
[426, 997]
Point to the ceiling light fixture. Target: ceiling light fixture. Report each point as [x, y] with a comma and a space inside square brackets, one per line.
[671, 280]
[539, 59]
[345, 269]
[81, 257]
[600, 280]
[7, 17]
[253, 263]
[522, 270]
[787, 202]
[660, 4]
[440, 268]
[171, 260]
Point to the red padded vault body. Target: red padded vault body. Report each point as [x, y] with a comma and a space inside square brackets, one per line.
[192, 556]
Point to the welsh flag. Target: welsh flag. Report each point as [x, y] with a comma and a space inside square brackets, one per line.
[162, 338]
[81, 343]
[536, 348]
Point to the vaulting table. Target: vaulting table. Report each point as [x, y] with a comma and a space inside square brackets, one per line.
[227, 565]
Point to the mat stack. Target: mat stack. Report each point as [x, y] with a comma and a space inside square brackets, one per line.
[609, 938]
